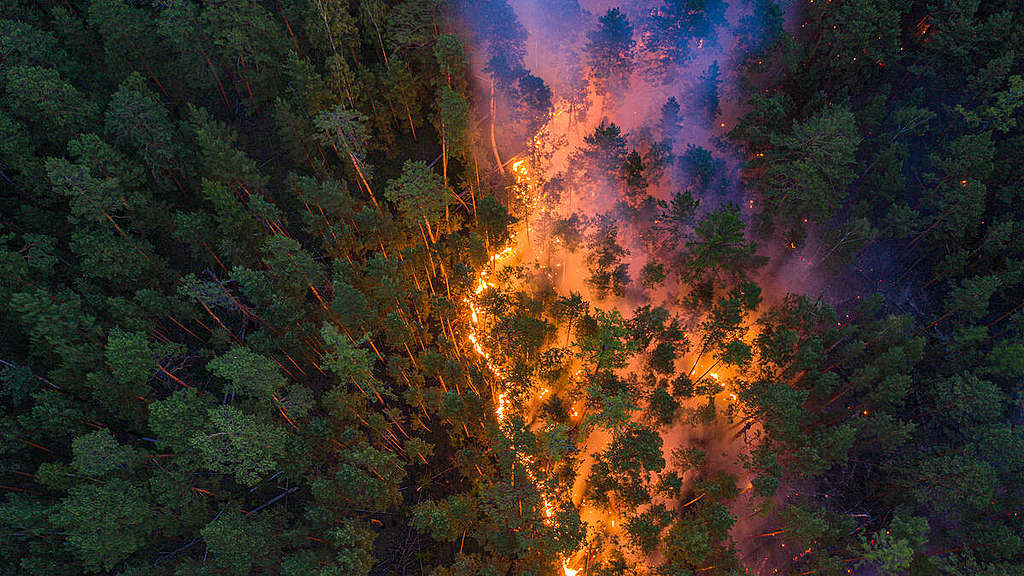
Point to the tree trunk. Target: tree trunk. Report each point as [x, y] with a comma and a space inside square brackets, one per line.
[494, 144]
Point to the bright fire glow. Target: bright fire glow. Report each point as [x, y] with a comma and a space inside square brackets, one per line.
[521, 172]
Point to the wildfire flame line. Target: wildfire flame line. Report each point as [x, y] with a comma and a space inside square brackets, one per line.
[521, 174]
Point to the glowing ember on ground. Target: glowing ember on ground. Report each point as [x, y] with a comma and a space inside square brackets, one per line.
[523, 181]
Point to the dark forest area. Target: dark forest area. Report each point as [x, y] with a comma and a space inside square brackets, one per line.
[452, 288]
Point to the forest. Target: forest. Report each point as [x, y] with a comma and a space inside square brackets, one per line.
[512, 287]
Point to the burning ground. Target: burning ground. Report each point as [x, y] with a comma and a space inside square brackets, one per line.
[614, 171]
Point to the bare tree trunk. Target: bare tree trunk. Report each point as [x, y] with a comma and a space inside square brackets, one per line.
[412, 126]
[381, 40]
[494, 144]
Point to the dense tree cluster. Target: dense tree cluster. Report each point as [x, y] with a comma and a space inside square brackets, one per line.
[253, 318]
[891, 128]
[231, 286]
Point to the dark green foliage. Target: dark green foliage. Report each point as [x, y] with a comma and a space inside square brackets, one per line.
[234, 330]
[238, 543]
[249, 373]
[608, 274]
[106, 522]
[645, 529]
[239, 444]
[662, 406]
[495, 23]
[533, 102]
[610, 52]
[803, 174]
[719, 248]
[620, 474]
[229, 289]
[676, 27]
[652, 274]
[701, 166]
[569, 231]
[494, 220]
[604, 340]
[604, 153]
[663, 358]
